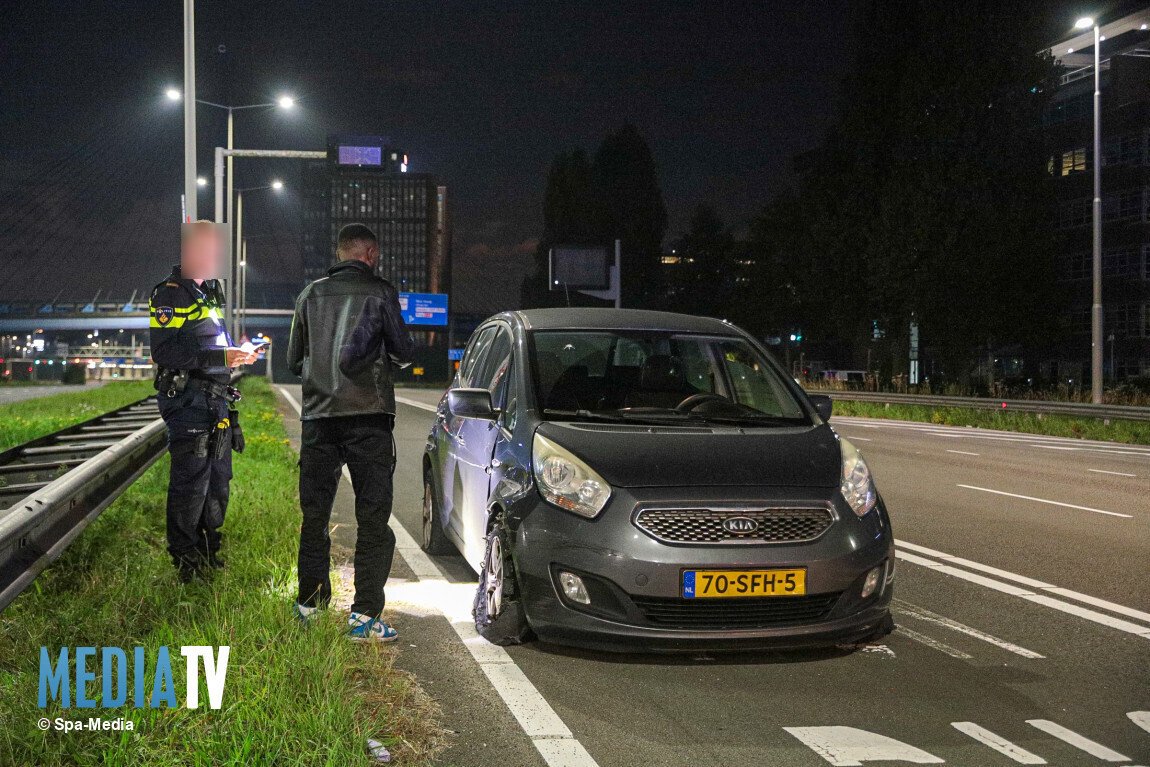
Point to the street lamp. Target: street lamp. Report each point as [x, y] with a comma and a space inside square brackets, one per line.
[1096, 350]
[201, 181]
[241, 283]
[283, 102]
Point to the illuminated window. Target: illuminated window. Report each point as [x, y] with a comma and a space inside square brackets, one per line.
[1073, 161]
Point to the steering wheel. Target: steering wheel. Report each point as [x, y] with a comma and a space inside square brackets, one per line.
[696, 399]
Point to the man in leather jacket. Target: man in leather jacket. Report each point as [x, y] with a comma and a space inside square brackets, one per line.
[346, 336]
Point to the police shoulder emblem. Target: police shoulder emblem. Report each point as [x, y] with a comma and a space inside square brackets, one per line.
[164, 314]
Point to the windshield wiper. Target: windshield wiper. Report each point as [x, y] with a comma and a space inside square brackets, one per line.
[587, 415]
[750, 419]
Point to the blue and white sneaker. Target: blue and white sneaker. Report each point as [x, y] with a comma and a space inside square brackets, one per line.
[306, 615]
[363, 628]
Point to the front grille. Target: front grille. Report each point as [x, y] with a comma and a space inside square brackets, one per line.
[707, 525]
[718, 613]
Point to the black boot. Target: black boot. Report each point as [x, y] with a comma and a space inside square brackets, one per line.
[189, 567]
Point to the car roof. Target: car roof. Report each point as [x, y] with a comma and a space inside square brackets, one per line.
[618, 319]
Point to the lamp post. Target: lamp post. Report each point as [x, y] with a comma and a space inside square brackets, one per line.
[241, 273]
[283, 102]
[1096, 349]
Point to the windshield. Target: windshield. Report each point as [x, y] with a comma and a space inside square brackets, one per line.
[655, 376]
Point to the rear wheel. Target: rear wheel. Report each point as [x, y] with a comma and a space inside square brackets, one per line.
[499, 616]
[433, 540]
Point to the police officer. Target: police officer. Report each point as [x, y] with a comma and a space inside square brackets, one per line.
[194, 355]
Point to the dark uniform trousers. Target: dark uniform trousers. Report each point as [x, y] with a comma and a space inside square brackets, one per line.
[364, 444]
[198, 482]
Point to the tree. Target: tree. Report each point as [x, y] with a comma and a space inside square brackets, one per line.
[571, 216]
[633, 211]
[929, 198]
[616, 196]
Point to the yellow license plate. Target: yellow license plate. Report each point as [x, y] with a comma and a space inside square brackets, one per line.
[744, 583]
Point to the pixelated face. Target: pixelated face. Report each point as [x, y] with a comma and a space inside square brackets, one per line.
[202, 251]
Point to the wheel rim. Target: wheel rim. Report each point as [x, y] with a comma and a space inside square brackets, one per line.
[427, 512]
[494, 577]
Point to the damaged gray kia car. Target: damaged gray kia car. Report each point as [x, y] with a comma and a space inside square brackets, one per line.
[643, 481]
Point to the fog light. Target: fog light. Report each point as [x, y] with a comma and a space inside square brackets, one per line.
[573, 588]
[871, 581]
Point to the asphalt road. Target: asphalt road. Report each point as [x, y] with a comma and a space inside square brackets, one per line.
[1023, 612]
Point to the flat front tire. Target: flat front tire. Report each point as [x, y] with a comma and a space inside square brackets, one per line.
[498, 609]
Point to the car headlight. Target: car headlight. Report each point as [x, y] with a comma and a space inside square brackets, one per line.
[566, 481]
[857, 486]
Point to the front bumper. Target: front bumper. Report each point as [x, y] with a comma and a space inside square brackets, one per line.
[635, 581]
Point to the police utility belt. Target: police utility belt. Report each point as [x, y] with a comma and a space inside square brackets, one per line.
[173, 382]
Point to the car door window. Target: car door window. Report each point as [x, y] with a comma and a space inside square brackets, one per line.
[497, 363]
[473, 357]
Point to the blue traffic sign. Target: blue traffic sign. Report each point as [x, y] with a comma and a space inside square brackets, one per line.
[423, 308]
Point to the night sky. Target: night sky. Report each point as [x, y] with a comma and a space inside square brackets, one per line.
[482, 94]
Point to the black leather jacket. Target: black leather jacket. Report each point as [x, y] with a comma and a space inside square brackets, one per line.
[346, 335]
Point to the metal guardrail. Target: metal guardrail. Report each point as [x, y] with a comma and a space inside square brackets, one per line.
[63, 481]
[1048, 407]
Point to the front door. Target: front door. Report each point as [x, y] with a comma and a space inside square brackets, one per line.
[475, 446]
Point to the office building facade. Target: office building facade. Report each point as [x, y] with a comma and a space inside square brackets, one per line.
[365, 180]
[1125, 78]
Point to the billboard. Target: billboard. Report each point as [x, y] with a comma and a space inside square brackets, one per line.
[423, 308]
[579, 268]
[360, 155]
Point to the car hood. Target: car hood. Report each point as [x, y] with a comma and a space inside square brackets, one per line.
[629, 455]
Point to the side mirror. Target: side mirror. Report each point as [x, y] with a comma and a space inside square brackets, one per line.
[471, 403]
[823, 405]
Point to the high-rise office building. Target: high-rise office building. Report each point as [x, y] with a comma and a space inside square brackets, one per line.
[366, 180]
[1125, 78]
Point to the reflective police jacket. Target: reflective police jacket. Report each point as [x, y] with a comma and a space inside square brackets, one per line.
[187, 328]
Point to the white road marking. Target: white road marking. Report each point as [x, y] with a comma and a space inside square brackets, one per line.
[961, 452]
[1042, 599]
[850, 746]
[1044, 500]
[552, 738]
[416, 403]
[1140, 718]
[921, 613]
[1115, 473]
[859, 439]
[998, 743]
[1078, 741]
[934, 644]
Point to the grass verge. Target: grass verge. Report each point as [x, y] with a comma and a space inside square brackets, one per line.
[292, 697]
[1130, 432]
[31, 418]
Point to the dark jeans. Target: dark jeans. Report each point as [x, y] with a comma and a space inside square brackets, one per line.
[197, 483]
[364, 444]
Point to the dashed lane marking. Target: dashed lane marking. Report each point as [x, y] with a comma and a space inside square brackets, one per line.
[1044, 500]
[1078, 741]
[922, 614]
[934, 644]
[998, 743]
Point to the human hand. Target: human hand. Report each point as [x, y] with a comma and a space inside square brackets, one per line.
[237, 357]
